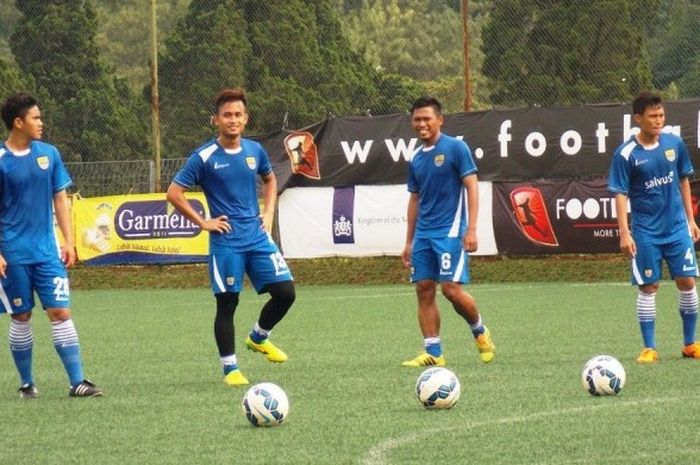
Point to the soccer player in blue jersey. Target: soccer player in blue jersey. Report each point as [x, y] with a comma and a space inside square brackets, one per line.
[441, 230]
[33, 183]
[652, 170]
[227, 168]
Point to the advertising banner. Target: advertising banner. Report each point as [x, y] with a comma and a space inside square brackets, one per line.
[141, 228]
[551, 217]
[358, 221]
[522, 144]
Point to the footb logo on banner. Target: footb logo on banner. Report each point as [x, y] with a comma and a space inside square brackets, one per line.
[303, 154]
[531, 213]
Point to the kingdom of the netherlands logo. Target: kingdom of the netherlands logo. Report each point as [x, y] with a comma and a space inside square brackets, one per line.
[342, 227]
[531, 213]
[250, 161]
[43, 162]
[439, 160]
[670, 154]
[303, 154]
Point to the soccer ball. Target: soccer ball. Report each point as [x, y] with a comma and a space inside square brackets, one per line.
[603, 375]
[438, 388]
[265, 404]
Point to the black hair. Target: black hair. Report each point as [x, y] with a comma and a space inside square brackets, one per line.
[426, 101]
[229, 95]
[643, 101]
[16, 106]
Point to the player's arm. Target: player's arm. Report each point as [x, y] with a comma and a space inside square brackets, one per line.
[176, 196]
[471, 183]
[688, 207]
[627, 245]
[61, 207]
[3, 267]
[411, 217]
[269, 191]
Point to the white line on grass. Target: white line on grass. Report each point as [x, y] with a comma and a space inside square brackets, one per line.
[377, 454]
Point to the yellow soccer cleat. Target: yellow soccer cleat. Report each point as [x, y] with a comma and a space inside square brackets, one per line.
[485, 345]
[235, 378]
[271, 351]
[649, 355]
[692, 350]
[425, 360]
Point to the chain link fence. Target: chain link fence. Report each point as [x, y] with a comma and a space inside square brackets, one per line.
[89, 62]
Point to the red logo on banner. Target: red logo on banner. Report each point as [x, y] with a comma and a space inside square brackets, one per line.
[303, 154]
[531, 213]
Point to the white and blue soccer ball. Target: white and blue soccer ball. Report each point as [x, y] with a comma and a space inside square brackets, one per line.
[438, 388]
[603, 375]
[265, 404]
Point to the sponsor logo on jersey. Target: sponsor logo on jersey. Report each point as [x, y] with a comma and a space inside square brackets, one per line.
[659, 181]
[303, 154]
[638, 162]
[148, 219]
[218, 166]
[531, 213]
[43, 162]
[439, 160]
[670, 154]
[250, 161]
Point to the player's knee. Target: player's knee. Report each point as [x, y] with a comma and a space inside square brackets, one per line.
[685, 283]
[226, 303]
[283, 292]
[649, 288]
[58, 314]
[22, 317]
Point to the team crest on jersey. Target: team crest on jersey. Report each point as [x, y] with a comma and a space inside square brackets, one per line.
[230, 280]
[250, 161]
[43, 162]
[17, 302]
[647, 273]
[670, 154]
[439, 160]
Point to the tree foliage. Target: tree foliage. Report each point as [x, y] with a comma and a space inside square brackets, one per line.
[567, 52]
[291, 57]
[54, 42]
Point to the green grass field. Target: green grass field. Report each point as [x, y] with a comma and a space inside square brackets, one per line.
[351, 402]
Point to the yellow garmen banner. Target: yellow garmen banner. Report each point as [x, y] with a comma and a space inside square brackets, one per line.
[138, 229]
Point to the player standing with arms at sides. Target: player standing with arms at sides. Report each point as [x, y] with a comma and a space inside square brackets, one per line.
[652, 170]
[227, 169]
[33, 183]
[441, 229]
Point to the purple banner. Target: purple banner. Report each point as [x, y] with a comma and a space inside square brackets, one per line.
[343, 215]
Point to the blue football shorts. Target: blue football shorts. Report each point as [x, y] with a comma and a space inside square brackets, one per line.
[263, 265]
[679, 256]
[48, 279]
[441, 260]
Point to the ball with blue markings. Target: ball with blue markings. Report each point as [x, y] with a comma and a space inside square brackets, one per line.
[438, 388]
[265, 404]
[603, 375]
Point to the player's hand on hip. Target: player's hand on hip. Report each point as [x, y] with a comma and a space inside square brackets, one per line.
[267, 220]
[68, 255]
[3, 267]
[695, 231]
[219, 224]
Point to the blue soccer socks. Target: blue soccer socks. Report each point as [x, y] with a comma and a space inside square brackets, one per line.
[433, 346]
[688, 308]
[65, 340]
[257, 334]
[21, 343]
[646, 314]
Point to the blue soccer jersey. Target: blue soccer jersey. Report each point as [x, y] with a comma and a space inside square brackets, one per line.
[436, 173]
[650, 177]
[28, 182]
[229, 181]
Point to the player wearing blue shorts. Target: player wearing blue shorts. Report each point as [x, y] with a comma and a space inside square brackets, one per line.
[227, 168]
[439, 236]
[652, 170]
[33, 183]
